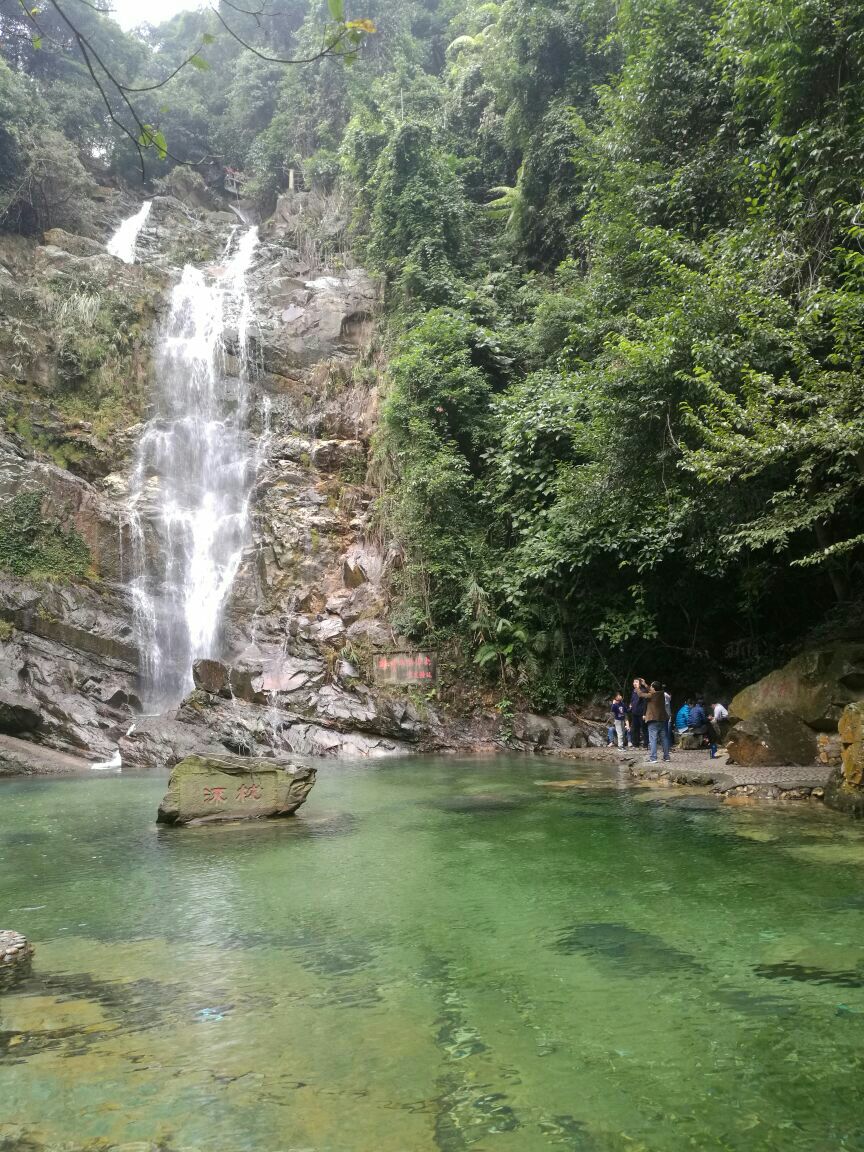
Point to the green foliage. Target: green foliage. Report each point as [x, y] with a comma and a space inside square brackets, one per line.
[665, 453]
[38, 547]
[622, 426]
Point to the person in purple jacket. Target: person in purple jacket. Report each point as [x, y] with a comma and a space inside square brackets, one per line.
[619, 715]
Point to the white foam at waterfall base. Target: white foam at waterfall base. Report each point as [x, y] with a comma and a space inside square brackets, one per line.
[124, 241]
[195, 467]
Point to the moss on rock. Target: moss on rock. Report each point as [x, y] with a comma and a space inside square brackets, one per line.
[36, 546]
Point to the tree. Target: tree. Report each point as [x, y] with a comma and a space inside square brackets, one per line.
[83, 29]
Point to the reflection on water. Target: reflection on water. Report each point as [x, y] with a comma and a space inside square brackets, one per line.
[434, 957]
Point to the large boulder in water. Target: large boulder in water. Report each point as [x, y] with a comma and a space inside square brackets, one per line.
[771, 737]
[208, 789]
[815, 686]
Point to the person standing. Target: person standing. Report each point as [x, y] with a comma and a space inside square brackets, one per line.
[619, 716]
[717, 727]
[638, 731]
[610, 728]
[719, 717]
[657, 718]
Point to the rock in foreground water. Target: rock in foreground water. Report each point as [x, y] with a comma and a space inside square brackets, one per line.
[207, 789]
[16, 955]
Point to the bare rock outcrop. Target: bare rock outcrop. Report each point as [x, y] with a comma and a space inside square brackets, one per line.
[771, 737]
[815, 686]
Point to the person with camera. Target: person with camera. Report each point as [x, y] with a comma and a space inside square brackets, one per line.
[657, 720]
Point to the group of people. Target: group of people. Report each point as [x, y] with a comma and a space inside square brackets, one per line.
[647, 721]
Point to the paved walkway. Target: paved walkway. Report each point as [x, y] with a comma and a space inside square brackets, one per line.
[719, 774]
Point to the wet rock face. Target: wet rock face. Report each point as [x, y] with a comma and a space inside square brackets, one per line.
[209, 789]
[306, 315]
[772, 737]
[551, 733]
[815, 686]
[18, 714]
[68, 669]
[844, 797]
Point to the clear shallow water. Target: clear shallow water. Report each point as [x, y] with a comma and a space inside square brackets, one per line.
[435, 955]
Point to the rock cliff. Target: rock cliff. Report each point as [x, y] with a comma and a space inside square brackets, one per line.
[307, 613]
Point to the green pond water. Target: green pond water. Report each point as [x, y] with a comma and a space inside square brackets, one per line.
[434, 955]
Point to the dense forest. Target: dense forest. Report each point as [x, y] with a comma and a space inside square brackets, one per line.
[622, 417]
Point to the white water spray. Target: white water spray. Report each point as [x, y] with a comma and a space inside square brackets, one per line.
[124, 241]
[188, 516]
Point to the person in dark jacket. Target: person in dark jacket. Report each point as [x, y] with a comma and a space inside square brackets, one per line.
[657, 719]
[699, 724]
[638, 731]
[699, 717]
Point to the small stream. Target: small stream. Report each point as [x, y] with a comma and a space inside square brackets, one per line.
[434, 956]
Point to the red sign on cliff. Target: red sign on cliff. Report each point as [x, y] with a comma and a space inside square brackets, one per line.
[405, 668]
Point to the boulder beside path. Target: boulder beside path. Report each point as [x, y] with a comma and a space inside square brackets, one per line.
[815, 686]
[210, 789]
[771, 737]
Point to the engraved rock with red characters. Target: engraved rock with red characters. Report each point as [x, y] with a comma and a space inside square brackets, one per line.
[209, 789]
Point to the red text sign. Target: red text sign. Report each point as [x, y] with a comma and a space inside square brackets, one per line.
[405, 668]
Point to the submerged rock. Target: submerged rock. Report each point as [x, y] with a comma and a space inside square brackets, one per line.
[627, 948]
[208, 789]
[16, 955]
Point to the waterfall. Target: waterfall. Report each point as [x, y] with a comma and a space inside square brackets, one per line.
[122, 243]
[188, 513]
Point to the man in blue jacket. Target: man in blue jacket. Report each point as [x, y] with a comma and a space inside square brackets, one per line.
[682, 720]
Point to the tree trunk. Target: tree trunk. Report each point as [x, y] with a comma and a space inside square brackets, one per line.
[837, 578]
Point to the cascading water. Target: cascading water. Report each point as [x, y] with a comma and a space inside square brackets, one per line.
[189, 508]
[124, 241]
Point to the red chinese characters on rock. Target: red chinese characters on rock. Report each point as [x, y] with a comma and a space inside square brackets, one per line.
[219, 794]
[248, 792]
[405, 668]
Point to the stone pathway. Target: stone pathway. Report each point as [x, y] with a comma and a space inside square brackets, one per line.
[698, 768]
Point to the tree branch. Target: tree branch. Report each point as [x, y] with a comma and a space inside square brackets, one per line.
[329, 49]
[146, 135]
[162, 83]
